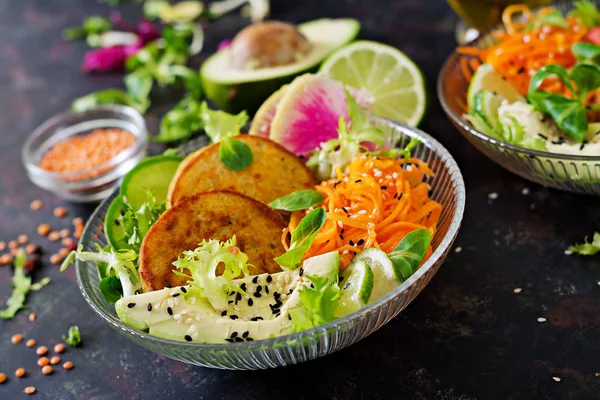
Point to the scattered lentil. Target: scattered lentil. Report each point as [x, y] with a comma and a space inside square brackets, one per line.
[36, 205]
[41, 351]
[2, 377]
[30, 249]
[32, 317]
[14, 251]
[55, 360]
[43, 229]
[13, 244]
[64, 233]
[23, 239]
[68, 365]
[56, 259]
[43, 361]
[2, 246]
[20, 372]
[30, 343]
[6, 259]
[54, 236]
[29, 390]
[59, 348]
[60, 212]
[63, 252]
[68, 242]
[46, 370]
[16, 339]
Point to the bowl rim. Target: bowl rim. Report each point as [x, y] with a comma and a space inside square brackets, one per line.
[458, 184]
[141, 141]
[466, 127]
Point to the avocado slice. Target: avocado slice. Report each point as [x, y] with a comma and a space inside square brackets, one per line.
[194, 319]
[235, 90]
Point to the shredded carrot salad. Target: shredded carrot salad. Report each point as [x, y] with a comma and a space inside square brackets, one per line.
[375, 204]
[520, 52]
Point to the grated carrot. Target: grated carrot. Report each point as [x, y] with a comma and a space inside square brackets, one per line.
[375, 204]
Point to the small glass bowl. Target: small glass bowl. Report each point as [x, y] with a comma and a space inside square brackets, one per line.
[572, 173]
[447, 187]
[96, 183]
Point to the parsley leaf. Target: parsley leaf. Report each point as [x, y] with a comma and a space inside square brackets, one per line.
[74, 336]
[587, 248]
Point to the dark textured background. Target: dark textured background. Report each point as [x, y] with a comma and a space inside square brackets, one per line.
[466, 336]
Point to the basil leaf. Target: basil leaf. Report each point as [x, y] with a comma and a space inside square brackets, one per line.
[299, 200]
[235, 154]
[568, 114]
[111, 289]
[410, 252]
[586, 52]
[546, 72]
[587, 79]
[302, 238]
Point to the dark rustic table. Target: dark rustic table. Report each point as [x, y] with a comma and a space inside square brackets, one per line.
[468, 335]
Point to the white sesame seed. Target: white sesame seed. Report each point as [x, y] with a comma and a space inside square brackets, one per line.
[541, 319]
[170, 302]
[493, 196]
[340, 224]
[188, 321]
[556, 378]
[391, 184]
[517, 290]
[193, 300]
[598, 283]
[458, 249]
[345, 252]
[409, 167]
[568, 252]
[377, 173]
[177, 317]
[395, 175]
[388, 177]
[525, 191]
[361, 212]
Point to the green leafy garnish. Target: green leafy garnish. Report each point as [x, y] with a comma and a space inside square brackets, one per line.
[410, 252]
[181, 122]
[73, 336]
[586, 52]
[553, 18]
[568, 114]
[219, 124]
[111, 289]
[587, 248]
[586, 13]
[199, 266]
[91, 25]
[106, 96]
[298, 200]
[39, 285]
[21, 286]
[318, 303]
[235, 154]
[302, 238]
[137, 222]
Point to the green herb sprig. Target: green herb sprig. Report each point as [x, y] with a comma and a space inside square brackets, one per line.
[302, 238]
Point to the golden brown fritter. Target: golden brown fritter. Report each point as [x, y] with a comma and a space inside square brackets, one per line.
[211, 215]
[274, 172]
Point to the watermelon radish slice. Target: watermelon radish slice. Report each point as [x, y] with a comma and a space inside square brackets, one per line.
[261, 124]
[308, 113]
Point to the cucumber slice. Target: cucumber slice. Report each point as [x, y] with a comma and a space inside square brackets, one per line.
[487, 78]
[356, 288]
[485, 106]
[386, 276]
[113, 229]
[153, 174]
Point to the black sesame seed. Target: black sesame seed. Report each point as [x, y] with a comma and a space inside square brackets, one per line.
[167, 287]
[122, 212]
[187, 338]
[347, 285]
[250, 302]
[301, 271]
[400, 196]
[255, 280]
[266, 289]
[342, 231]
[230, 301]
[543, 136]
[176, 294]
[395, 195]
[238, 339]
[582, 146]
[277, 316]
[130, 305]
[249, 339]
[224, 313]
[238, 297]
[351, 242]
[360, 242]
[117, 223]
[312, 286]
[344, 210]
[340, 279]
[243, 286]
[276, 295]
[290, 292]
[170, 310]
[256, 319]
[259, 288]
[342, 237]
[289, 317]
[256, 294]
[384, 187]
[245, 334]
[149, 307]
[269, 279]
[233, 335]
[229, 340]
[183, 290]
[233, 317]
[358, 180]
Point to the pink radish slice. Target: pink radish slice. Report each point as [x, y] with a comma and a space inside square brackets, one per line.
[261, 124]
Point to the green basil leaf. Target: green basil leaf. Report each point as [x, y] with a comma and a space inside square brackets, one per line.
[299, 200]
[302, 238]
[587, 79]
[546, 72]
[568, 114]
[111, 289]
[586, 52]
[235, 154]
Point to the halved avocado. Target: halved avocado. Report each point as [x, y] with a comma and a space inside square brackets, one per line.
[234, 90]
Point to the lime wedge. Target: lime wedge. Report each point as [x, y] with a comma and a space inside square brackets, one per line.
[486, 78]
[390, 79]
[356, 285]
[485, 105]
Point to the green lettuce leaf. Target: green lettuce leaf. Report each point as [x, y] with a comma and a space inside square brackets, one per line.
[586, 13]
[587, 248]
[73, 336]
[219, 124]
[21, 287]
[317, 303]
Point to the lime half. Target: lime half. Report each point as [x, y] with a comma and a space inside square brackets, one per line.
[356, 283]
[391, 80]
[487, 78]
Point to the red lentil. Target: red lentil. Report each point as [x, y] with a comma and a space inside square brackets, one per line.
[46, 370]
[16, 339]
[6, 259]
[55, 360]
[59, 348]
[63, 252]
[68, 365]
[13, 244]
[60, 212]
[32, 317]
[30, 343]
[30, 249]
[2, 377]
[43, 229]
[56, 258]
[41, 351]
[2, 246]
[43, 361]
[36, 205]
[68, 242]
[77, 221]
[14, 251]
[20, 372]
[29, 390]
[23, 239]
[54, 236]
[65, 233]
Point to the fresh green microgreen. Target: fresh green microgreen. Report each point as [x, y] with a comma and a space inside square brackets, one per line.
[111, 289]
[586, 52]
[568, 114]
[235, 154]
[91, 25]
[219, 124]
[199, 267]
[587, 248]
[586, 12]
[73, 336]
[299, 200]
[553, 18]
[181, 122]
[139, 85]
[302, 238]
[172, 151]
[21, 286]
[39, 285]
[410, 252]
[106, 97]
[137, 222]
[317, 303]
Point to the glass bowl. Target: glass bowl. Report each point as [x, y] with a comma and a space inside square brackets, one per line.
[95, 183]
[447, 187]
[573, 173]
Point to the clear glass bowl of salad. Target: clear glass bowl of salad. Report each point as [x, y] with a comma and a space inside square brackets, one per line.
[447, 188]
[496, 93]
